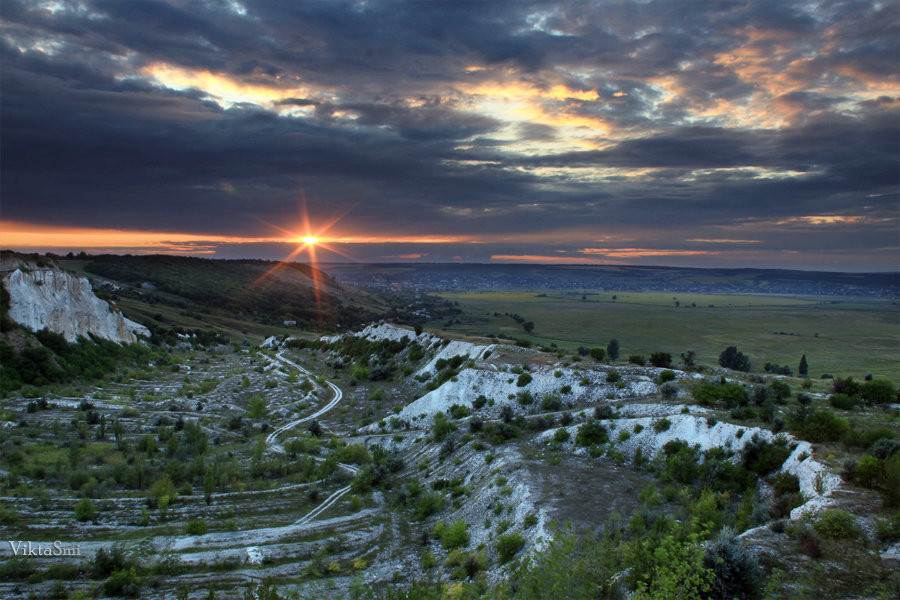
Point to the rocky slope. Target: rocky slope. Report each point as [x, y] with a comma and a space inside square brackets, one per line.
[65, 304]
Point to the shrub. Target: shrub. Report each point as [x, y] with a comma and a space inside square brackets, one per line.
[591, 433]
[84, 510]
[458, 411]
[452, 536]
[561, 435]
[428, 504]
[780, 390]
[731, 358]
[884, 448]
[661, 360]
[124, 582]
[736, 571]
[612, 376]
[479, 402]
[668, 390]
[662, 425]
[354, 453]
[604, 411]
[822, 426]
[637, 359]
[196, 527]
[762, 458]
[890, 489]
[441, 427]
[667, 375]
[551, 402]
[843, 401]
[523, 380]
[878, 391]
[835, 523]
[509, 545]
[868, 471]
[809, 539]
[784, 483]
[598, 354]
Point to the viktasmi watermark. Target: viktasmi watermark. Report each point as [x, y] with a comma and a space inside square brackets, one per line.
[57, 548]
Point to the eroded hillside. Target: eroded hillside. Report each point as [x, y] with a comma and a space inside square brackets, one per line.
[392, 461]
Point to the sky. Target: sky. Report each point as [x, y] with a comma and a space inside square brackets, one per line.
[683, 133]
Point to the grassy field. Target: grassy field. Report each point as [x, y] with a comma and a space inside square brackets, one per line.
[840, 336]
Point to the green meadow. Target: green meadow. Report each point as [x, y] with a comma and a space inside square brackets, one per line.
[840, 336]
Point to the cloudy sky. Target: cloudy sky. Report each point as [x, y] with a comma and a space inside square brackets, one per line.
[678, 132]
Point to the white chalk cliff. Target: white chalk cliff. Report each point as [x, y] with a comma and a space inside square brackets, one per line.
[65, 304]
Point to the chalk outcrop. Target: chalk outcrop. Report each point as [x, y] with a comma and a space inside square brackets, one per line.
[47, 298]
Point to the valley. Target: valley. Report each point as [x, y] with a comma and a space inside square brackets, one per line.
[394, 461]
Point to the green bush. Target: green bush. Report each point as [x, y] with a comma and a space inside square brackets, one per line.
[661, 360]
[822, 426]
[868, 471]
[878, 391]
[763, 457]
[441, 427]
[452, 536]
[458, 411]
[561, 435]
[523, 380]
[662, 425]
[612, 376]
[354, 453]
[843, 401]
[591, 433]
[890, 488]
[124, 582]
[667, 375]
[835, 523]
[428, 504]
[784, 483]
[196, 527]
[509, 545]
[551, 402]
[736, 572]
[84, 510]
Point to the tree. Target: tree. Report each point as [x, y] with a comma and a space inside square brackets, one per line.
[731, 358]
[598, 354]
[689, 358]
[612, 349]
[662, 360]
[878, 391]
[528, 326]
[803, 369]
[84, 510]
[315, 428]
[258, 407]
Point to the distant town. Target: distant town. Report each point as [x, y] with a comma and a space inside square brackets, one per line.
[456, 277]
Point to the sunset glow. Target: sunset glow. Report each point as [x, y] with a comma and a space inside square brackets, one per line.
[642, 132]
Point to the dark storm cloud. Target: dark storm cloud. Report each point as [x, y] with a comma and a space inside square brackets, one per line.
[451, 117]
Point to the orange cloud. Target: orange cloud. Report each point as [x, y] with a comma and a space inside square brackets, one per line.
[722, 241]
[224, 90]
[827, 220]
[29, 236]
[563, 260]
[415, 255]
[643, 252]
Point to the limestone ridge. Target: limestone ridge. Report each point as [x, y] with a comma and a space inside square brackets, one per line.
[65, 304]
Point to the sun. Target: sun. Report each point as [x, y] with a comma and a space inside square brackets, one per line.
[309, 240]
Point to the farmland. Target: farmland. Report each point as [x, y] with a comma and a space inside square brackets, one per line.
[840, 336]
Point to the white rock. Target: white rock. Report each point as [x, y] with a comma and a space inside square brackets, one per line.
[65, 304]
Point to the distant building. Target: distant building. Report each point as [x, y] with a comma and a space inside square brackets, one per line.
[290, 323]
